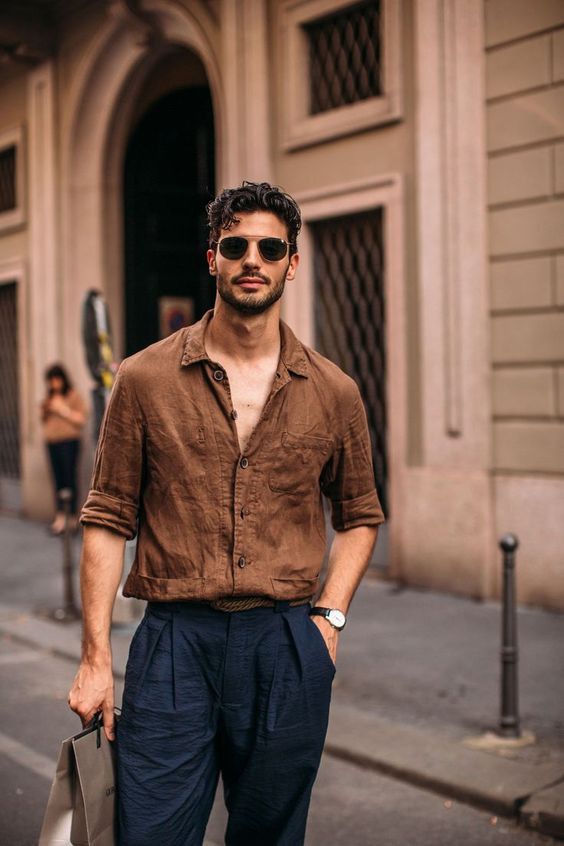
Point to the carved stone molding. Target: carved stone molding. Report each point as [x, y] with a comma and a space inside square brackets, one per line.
[299, 127]
[246, 102]
[451, 209]
[143, 25]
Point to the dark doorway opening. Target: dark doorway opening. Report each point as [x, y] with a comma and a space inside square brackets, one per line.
[169, 178]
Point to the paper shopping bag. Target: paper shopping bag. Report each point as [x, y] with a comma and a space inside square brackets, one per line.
[81, 809]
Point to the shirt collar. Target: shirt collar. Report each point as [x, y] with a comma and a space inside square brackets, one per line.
[194, 349]
[292, 352]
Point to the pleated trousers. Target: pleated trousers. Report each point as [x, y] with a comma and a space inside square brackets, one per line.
[245, 694]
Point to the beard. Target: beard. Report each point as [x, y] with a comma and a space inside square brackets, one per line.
[255, 302]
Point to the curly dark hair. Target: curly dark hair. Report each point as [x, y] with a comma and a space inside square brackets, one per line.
[249, 197]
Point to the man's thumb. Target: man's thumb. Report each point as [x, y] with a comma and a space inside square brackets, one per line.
[109, 722]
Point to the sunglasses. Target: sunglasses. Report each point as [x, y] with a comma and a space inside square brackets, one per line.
[235, 247]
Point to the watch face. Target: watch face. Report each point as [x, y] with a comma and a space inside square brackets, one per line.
[336, 618]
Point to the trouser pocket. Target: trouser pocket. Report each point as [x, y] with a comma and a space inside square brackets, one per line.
[147, 663]
[303, 674]
[321, 642]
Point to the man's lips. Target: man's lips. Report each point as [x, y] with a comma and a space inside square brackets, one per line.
[250, 281]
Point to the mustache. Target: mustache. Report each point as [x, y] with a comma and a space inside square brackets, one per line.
[260, 276]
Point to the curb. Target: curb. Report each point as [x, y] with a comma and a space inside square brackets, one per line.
[544, 811]
[530, 792]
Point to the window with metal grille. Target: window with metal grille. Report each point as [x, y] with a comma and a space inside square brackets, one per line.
[9, 417]
[8, 179]
[344, 56]
[349, 315]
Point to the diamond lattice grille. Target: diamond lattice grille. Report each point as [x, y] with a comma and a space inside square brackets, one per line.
[7, 179]
[349, 315]
[344, 57]
[9, 418]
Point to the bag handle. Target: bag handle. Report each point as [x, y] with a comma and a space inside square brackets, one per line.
[97, 722]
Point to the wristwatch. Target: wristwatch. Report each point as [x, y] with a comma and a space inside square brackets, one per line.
[335, 617]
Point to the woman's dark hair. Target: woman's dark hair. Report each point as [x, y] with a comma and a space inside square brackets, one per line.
[57, 371]
[250, 197]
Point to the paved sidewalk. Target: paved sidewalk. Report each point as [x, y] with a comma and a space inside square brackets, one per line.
[418, 674]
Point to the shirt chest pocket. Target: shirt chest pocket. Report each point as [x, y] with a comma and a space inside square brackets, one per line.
[296, 466]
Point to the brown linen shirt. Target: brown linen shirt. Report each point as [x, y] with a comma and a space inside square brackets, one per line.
[212, 522]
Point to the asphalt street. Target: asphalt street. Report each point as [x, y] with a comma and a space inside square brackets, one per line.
[351, 806]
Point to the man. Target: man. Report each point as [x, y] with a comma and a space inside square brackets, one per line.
[215, 449]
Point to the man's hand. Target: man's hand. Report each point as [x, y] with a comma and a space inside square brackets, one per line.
[330, 635]
[93, 690]
[348, 560]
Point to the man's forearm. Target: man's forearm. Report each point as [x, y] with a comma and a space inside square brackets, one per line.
[348, 559]
[100, 571]
[101, 567]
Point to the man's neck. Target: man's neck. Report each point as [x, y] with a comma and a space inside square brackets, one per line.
[243, 338]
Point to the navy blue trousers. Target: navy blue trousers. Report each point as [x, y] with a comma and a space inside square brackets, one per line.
[245, 694]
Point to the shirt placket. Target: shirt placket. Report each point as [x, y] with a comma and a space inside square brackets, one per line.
[242, 555]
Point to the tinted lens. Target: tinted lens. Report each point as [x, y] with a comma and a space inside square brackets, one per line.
[272, 249]
[233, 247]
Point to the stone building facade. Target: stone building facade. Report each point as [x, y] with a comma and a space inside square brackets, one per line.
[524, 46]
[424, 140]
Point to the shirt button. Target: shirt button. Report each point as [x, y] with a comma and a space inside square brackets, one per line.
[241, 562]
[218, 375]
[244, 463]
[234, 414]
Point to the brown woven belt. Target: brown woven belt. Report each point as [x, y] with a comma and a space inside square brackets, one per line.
[244, 603]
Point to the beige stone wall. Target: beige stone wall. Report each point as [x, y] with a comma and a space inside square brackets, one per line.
[525, 126]
[525, 120]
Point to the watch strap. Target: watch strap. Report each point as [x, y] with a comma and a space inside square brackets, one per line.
[320, 611]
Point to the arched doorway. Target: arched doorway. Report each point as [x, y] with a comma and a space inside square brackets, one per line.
[168, 179]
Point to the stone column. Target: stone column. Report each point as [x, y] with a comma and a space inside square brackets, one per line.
[246, 78]
[44, 294]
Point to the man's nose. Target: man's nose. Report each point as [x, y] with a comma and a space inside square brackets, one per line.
[252, 256]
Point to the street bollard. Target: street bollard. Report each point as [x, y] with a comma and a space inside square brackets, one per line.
[509, 722]
[69, 611]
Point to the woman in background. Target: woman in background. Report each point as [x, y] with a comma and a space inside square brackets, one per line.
[63, 414]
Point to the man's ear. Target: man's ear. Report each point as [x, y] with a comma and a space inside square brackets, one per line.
[292, 267]
[210, 255]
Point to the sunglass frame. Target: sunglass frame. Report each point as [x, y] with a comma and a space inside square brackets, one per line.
[260, 241]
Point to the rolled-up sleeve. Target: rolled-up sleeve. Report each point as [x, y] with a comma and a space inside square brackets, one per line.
[113, 499]
[348, 477]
